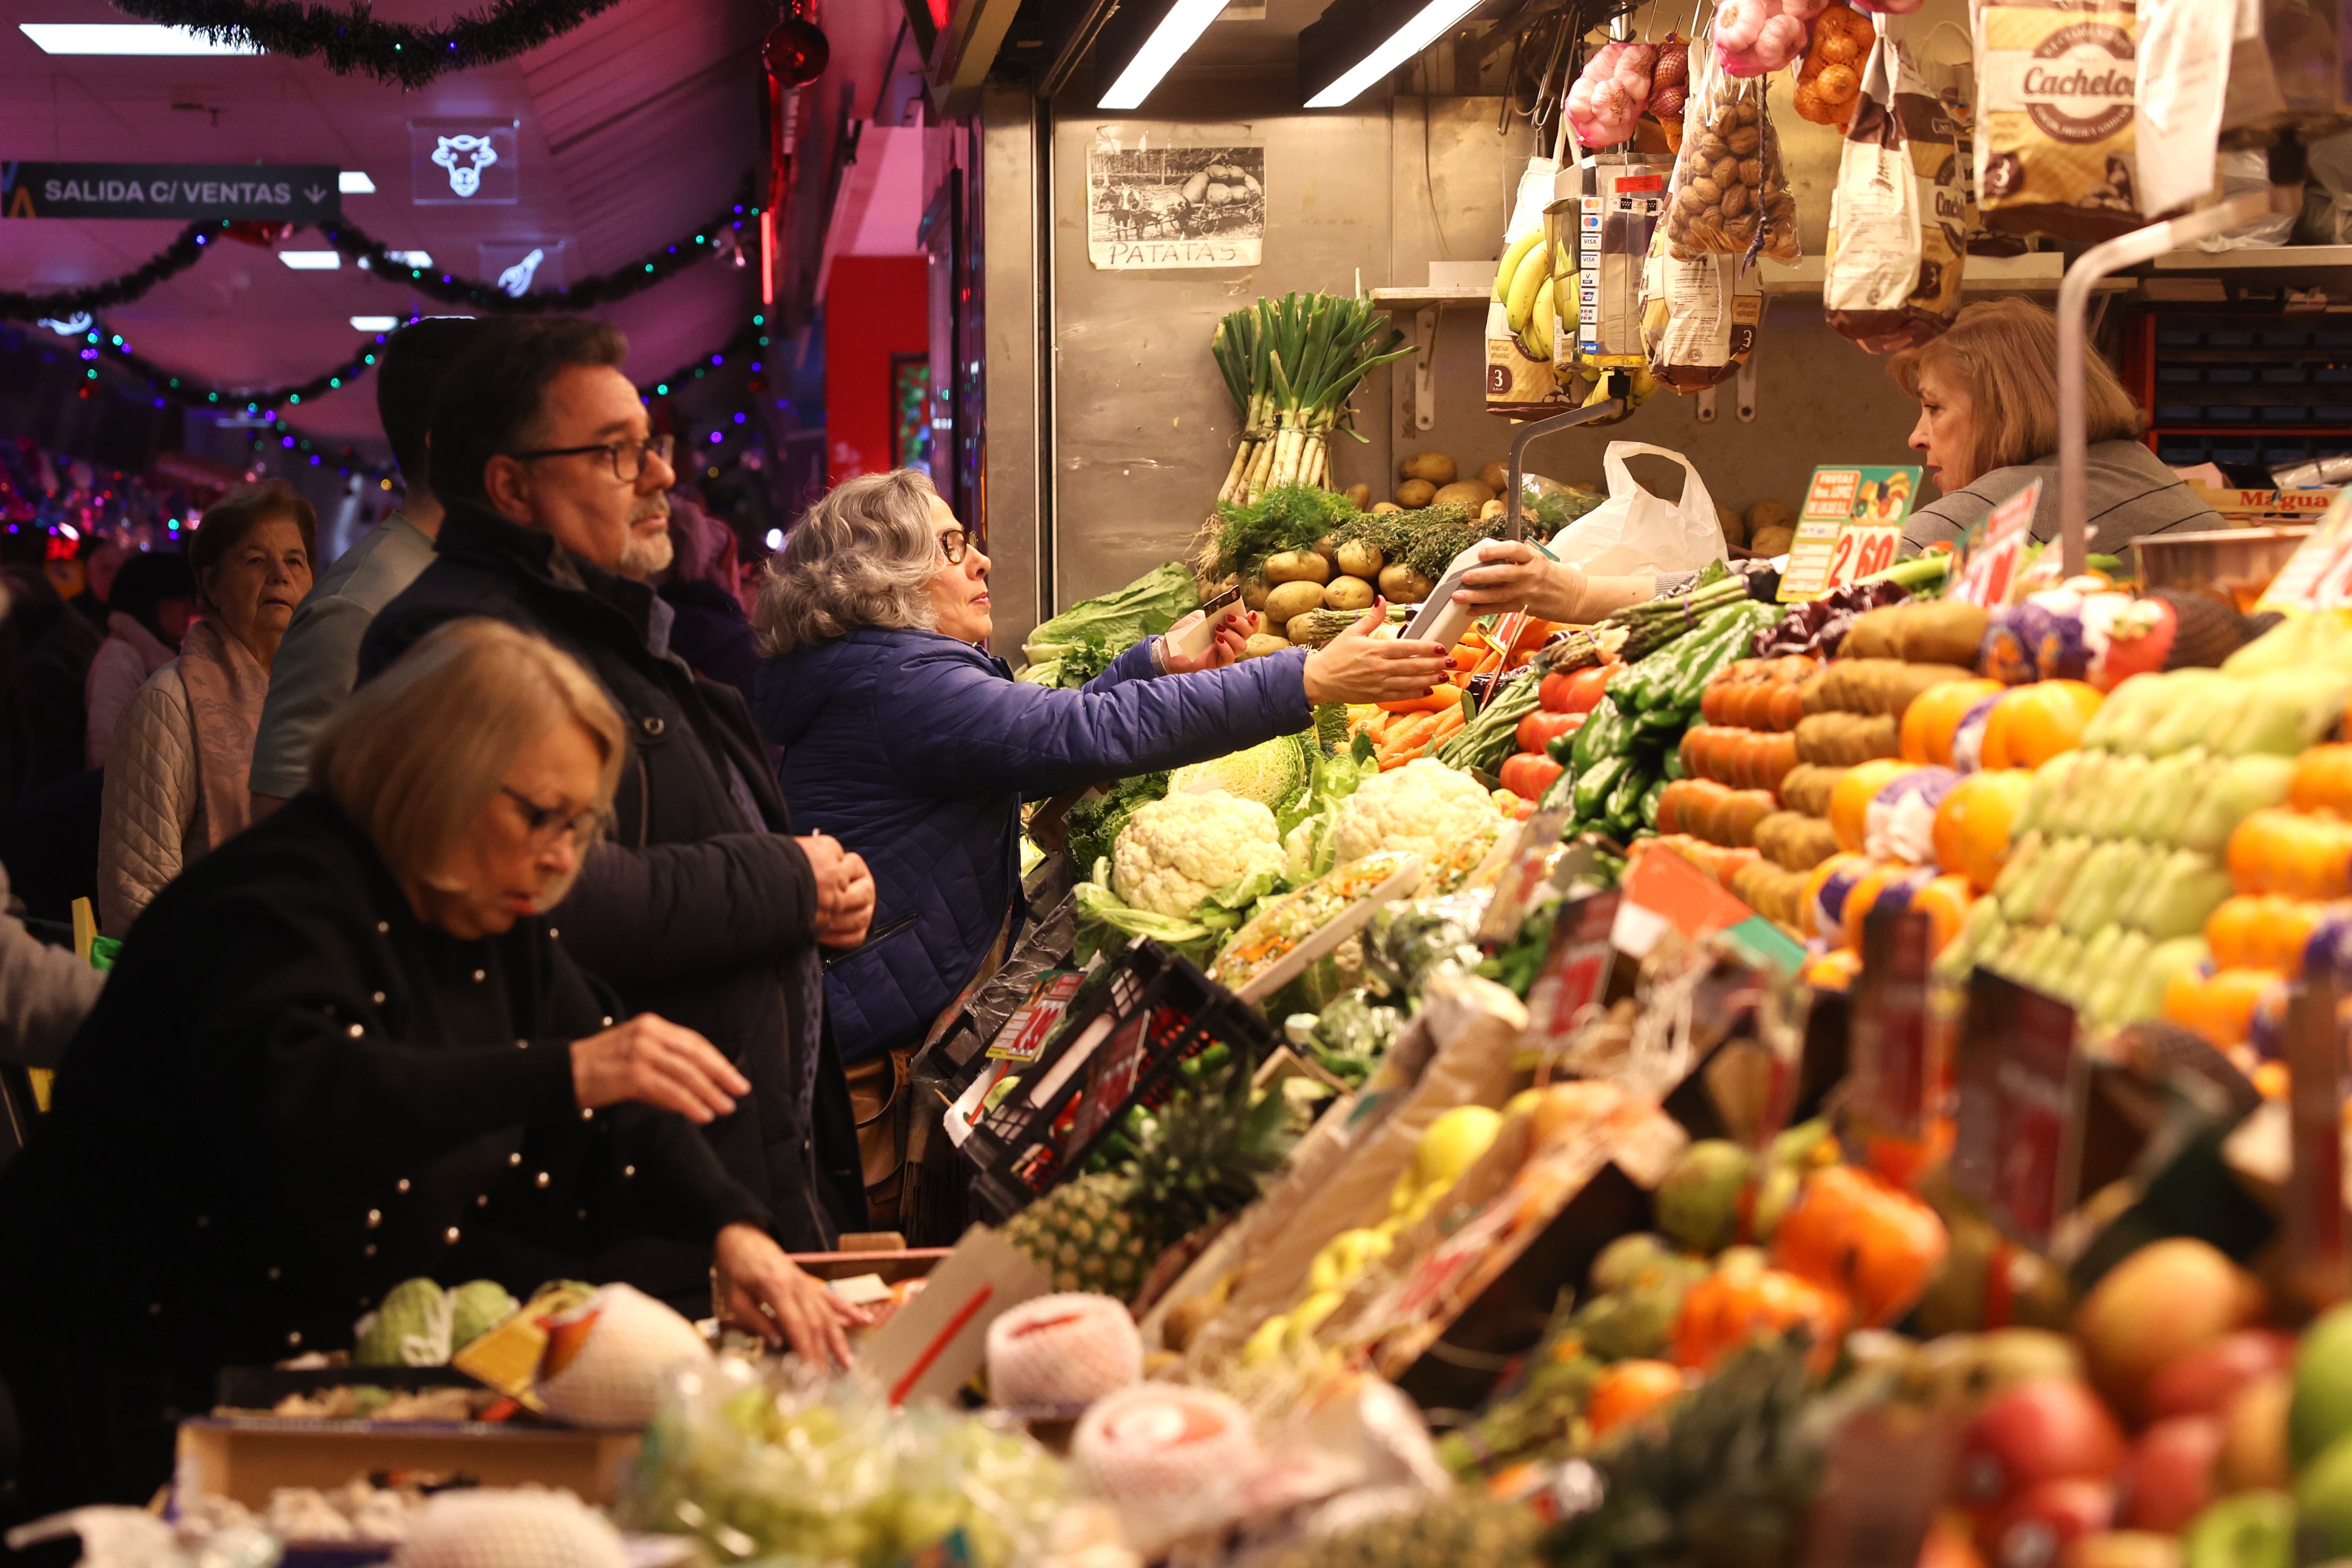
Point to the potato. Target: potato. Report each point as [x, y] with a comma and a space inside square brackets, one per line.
[1400, 584]
[1771, 514]
[1263, 644]
[1435, 467]
[1380, 507]
[1348, 594]
[1414, 494]
[1328, 547]
[1495, 477]
[1254, 592]
[1297, 566]
[1293, 598]
[1492, 508]
[1773, 541]
[1468, 492]
[1358, 496]
[1360, 558]
[1734, 527]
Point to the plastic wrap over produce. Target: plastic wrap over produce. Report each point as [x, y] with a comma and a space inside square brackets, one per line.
[760, 1464]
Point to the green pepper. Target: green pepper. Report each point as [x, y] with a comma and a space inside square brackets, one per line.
[1650, 805]
[1603, 735]
[1594, 784]
[1674, 765]
[1625, 807]
[1714, 645]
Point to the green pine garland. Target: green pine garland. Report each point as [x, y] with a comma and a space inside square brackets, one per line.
[352, 43]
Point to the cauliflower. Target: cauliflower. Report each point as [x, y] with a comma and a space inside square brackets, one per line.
[1173, 853]
[1424, 806]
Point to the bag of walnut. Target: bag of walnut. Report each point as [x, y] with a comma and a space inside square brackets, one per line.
[1898, 215]
[1730, 196]
[2057, 116]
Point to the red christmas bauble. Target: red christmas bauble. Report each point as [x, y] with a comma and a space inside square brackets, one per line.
[795, 52]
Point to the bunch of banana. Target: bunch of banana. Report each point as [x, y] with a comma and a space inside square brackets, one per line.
[1523, 285]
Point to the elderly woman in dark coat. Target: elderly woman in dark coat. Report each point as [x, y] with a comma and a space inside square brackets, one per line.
[911, 744]
[348, 1048]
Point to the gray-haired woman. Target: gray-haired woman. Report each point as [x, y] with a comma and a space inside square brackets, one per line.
[914, 747]
[349, 1048]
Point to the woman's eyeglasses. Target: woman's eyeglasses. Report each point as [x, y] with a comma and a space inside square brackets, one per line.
[549, 824]
[952, 544]
[627, 458]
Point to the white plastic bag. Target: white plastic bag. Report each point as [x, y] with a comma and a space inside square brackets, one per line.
[1633, 530]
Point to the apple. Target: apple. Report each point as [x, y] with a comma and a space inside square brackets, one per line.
[1959, 1371]
[2322, 1387]
[2045, 1429]
[2205, 1382]
[2254, 1436]
[2122, 1548]
[2252, 1530]
[2323, 1497]
[2169, 1479]
[2163, 1302]
[2045, 1519]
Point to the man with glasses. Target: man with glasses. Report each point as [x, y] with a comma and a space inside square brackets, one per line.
[698, 906]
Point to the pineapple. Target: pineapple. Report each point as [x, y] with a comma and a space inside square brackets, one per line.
[1204, 1156]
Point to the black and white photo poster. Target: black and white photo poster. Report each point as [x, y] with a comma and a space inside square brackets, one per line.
[1166, 196]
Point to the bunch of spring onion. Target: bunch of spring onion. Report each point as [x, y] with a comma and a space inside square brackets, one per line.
[1292, 365]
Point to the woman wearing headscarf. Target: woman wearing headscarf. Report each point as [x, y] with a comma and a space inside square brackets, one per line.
[176, 777]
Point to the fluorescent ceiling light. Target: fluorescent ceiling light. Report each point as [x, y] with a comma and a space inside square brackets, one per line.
[1416, 34]
[355, 182]
[374, 323]
[1182, 26]
[129, 39]
[311, 261]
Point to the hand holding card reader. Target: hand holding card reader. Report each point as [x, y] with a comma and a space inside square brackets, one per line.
[1440, 619]
[1193, 641]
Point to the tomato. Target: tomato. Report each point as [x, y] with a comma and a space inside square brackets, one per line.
[1529, 773]
[1574, 690]
[1538, 729]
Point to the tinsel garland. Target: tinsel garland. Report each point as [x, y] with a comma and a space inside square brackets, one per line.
[66, 303]
[351, 42]
[369, 254]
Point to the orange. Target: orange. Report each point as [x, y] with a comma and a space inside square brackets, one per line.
[2276, 850]
[1946, 901]
[1850, 799]
[2034, 724]
[2219, 1006]
[1873, 885]
[1628, 1391]
[2262, 930]
[1973, 822]
[1935, 713]
[2323, 780]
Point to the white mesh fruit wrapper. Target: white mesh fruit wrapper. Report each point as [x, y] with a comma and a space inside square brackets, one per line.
[1070, 1349]
[615, 1380]
[520, 1528]
[1171, 1459]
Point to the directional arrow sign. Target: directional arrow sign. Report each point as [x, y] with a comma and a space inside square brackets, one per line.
[274, 193]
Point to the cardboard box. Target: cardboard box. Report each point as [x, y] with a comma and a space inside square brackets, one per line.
[2247, 508]
[248, 1457]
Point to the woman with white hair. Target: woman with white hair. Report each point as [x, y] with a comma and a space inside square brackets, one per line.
[911, 744]
[348, 1048]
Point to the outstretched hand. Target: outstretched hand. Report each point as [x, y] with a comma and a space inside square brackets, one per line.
[1357, 667]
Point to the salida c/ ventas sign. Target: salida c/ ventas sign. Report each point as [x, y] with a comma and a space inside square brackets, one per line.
[296, 193]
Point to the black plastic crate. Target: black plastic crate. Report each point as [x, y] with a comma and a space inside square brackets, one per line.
[1141, 1015]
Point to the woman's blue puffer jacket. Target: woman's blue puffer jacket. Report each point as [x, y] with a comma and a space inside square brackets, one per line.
[916, 751]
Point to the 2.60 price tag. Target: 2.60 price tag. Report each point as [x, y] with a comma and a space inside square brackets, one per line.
[1850, 528]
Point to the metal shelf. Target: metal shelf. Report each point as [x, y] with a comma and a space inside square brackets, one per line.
[1418, 299]
[2255, 257]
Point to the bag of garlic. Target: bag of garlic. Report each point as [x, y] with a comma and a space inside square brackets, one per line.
[1699, 317]
[1898, 215]
[1730, 196]
[2057, 116]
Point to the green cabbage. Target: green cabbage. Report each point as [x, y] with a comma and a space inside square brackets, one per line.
[1078, 645]
[476, 1308]
[1274, 773]
[409, 1327]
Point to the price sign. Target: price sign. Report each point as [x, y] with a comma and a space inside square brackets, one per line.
[2318, 575]
[2020, 1082]
[1850, 528]
[1022, 1039]
[1887, 1045]
[1994, 549]
[1575, 970]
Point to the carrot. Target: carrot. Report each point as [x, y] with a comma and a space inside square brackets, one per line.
[1443, 697]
